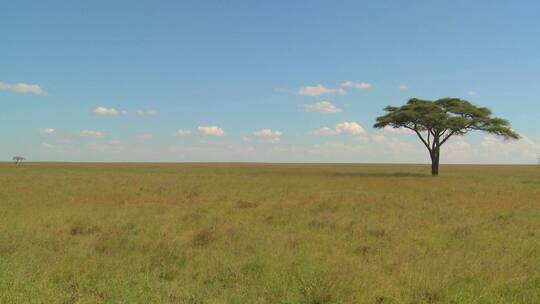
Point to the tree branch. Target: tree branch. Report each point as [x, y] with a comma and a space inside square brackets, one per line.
[442, 133]
[419, 136]
[447, 137]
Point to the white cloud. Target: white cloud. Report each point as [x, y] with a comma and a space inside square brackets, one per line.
[403, 87]
[267, 133]
[325, 131]
[397, 131]
[211, 130]
[350, 128]
[141, 113]
[92, 133]
[357, 85]
[321, 107]
[183, 132]
[378, 137]
[47, 130]
[491, 149]
[472, 93]
[458, 150]
[102, 111]
[22, 88]
[318, 90]
[511, 148]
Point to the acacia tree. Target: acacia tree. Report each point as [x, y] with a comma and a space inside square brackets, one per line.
[434, 122]
[18, 159]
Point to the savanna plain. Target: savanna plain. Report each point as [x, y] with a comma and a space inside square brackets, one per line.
[268, 233]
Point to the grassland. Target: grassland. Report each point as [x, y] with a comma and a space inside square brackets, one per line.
[246, 233]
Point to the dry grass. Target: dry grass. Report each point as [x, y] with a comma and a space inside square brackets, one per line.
[231, 233]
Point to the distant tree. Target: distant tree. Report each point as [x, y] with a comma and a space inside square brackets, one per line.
[18, 159]
[434, 122]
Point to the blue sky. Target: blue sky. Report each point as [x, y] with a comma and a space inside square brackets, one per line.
[286, 81]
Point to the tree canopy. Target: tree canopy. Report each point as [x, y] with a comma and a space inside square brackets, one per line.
[435, 122]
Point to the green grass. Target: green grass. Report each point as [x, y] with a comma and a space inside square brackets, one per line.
[232, 233]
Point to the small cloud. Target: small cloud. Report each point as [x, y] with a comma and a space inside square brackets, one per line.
[102, 111]
[183, 132]
[47, 131]
[350, 128]
[403, 87]
[397, 131]
[211, 130]
[22, 88]
[325, 131]
[142, 113]
[357, 85]
[378, 137]
[472, 93]
[92, 133]
[267, 133]
[321, 107]
[318, 90]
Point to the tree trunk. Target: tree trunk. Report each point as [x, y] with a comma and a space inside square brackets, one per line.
[435, 162]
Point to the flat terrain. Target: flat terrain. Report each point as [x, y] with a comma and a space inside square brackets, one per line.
[248, 233]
